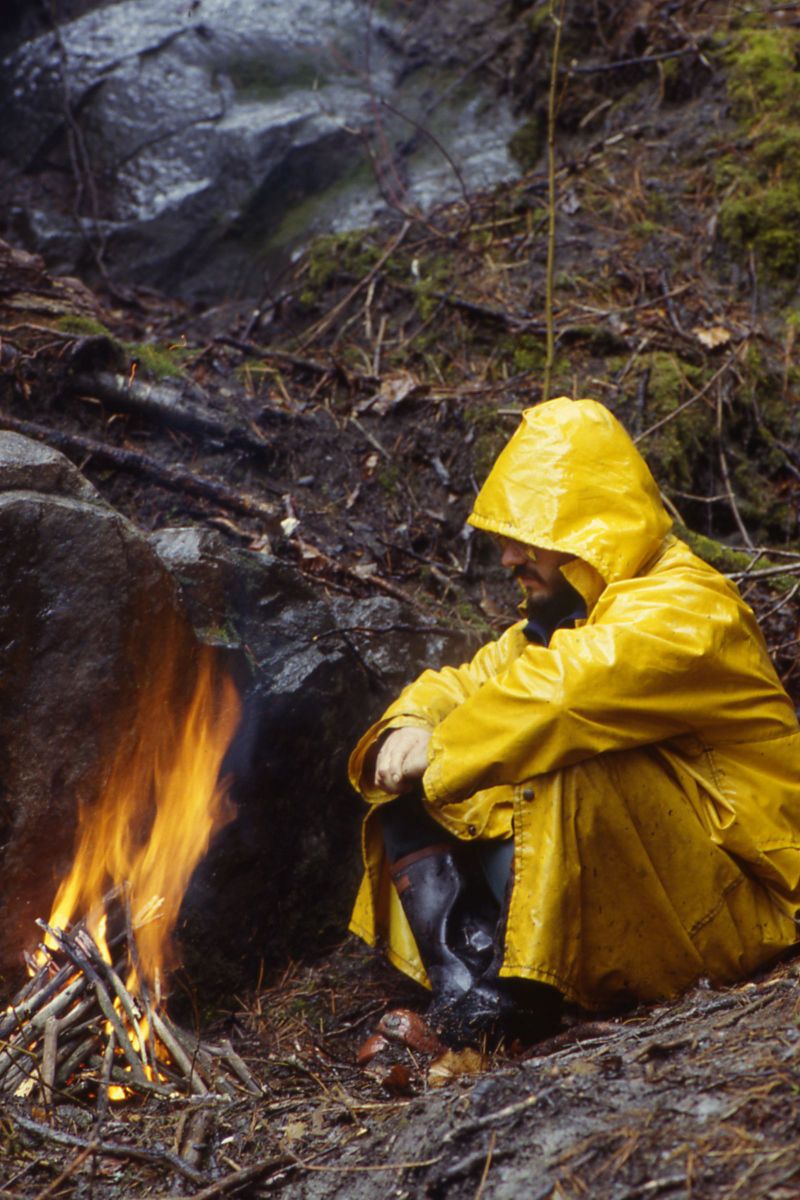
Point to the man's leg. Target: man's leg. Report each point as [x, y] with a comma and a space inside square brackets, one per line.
[451, 917]
[455, 899]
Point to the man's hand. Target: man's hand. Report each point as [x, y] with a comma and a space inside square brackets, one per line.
[402, 759]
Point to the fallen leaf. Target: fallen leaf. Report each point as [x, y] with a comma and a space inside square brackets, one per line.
[712, 336]
[398, 1080]
[453, 1063]
[402, 1025]
[394, 388]
[294, 1131]
[368, 1049]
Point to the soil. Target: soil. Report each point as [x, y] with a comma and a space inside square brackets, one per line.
[358, 403]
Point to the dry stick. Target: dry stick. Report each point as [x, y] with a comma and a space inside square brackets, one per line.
[238, 1179]
[105, 1077]
[103, 999]
[204, 1056]
[69, 1170]
[127, 1002]
[159, 1157]
[163, 404]
[49, 1058]
[692, 400]
[323, 325]
[144, 990]
[512, 320]
[31, 1030]
[176, 1050]
[76, 1058]
[21, 1012]
[551, 199]
[239, 1068]
[293, 360]
[765, 572]
[726, 479]
[142, 464]
[487, 1164]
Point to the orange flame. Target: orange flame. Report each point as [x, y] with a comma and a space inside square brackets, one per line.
[160, 806]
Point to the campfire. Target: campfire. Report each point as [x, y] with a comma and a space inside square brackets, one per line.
[91, 1019]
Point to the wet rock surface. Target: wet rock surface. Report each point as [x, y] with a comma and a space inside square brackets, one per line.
[195, 145]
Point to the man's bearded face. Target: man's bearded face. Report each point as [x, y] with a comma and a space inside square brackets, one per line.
[537, 571]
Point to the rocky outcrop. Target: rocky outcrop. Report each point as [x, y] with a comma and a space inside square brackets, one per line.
[192, 146]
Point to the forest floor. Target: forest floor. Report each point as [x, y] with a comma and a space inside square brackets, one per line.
[341, 421]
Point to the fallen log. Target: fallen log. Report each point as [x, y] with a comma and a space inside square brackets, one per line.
[167, 405]
[142, 464]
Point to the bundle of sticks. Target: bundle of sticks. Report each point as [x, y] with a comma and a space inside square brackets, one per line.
[76, 1027]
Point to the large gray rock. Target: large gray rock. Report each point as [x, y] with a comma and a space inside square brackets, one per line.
[214, 136]
[86, 608]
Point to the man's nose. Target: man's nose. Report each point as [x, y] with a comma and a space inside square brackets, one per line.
[513, 555]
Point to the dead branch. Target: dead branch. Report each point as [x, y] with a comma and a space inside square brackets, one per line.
[159, 1156]
[163, 404]
[141, 464]
[692, 399]
[325, 323]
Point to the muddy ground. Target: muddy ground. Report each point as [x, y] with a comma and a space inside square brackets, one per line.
[343, 420]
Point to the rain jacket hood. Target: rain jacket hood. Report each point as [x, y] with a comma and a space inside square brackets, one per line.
[571, 479]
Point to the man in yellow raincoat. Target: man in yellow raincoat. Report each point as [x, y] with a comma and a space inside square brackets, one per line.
[625, 755]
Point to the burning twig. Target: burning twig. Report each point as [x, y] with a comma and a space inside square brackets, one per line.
[76, 1023]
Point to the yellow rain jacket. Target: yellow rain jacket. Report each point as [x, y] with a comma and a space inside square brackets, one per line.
[647, 762]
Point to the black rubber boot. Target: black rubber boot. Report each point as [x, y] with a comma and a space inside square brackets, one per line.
[496, 1008]
[455, 945]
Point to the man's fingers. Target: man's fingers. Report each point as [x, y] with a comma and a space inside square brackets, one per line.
[401, 759]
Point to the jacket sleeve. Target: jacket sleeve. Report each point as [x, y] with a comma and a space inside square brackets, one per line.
[654, 662]
[428, 700]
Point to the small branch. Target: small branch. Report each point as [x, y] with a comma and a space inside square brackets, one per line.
[642, 60]
[324, 325]
[558, 21]
[159, 1157]
[183, 482]
[163, 404]
[692, 400]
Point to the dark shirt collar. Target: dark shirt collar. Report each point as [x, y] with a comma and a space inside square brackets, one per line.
[540, 633]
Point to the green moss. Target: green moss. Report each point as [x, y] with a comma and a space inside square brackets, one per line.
[84, 326]
[527, 143]
[714, 553]
[763, 72]
[768, 219]
[335, 254]
[678, 449]
[644, 229]
[761, 210]
[158, 362]
[529, 353]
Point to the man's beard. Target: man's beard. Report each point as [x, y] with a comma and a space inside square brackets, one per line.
[549, 608]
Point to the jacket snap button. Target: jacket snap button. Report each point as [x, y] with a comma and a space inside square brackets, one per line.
[527, 794]
[471, 830]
